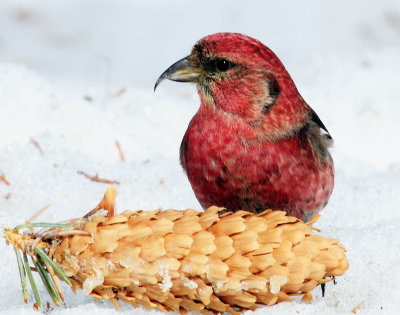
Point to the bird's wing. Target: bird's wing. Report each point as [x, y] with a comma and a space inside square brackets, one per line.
[314, 118]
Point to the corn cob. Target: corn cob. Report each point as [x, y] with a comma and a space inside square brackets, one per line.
[187, 260]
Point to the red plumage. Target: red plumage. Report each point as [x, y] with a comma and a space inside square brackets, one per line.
[254, 143]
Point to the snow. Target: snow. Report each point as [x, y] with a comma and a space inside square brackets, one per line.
[77, 76]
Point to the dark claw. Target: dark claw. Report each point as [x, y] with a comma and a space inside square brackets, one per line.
[323, 289]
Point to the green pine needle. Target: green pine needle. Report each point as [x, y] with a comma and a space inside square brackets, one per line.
[57, 269]
[48, 283]
[44, 224]
[32, 281]
[22, 274]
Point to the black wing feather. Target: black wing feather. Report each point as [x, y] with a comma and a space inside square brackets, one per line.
[317, 120]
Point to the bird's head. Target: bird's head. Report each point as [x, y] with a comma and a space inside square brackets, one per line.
[243, 77]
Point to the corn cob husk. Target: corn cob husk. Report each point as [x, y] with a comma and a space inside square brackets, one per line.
[188, 260]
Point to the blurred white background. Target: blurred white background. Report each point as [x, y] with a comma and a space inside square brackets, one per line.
[132, 41]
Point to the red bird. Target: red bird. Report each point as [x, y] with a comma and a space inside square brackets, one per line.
[254, 143]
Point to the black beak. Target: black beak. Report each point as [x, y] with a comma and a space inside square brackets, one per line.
[181, 71]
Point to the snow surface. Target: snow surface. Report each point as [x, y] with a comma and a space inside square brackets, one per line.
[63, 62]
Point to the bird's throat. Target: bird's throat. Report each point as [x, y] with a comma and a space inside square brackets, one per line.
[206, 97]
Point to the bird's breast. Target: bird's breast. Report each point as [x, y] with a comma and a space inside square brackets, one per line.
[226, 169]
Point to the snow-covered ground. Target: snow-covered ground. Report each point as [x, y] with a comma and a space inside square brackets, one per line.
[77, 75]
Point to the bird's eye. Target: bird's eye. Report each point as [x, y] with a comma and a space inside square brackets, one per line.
[214, 66]
[222, 65]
